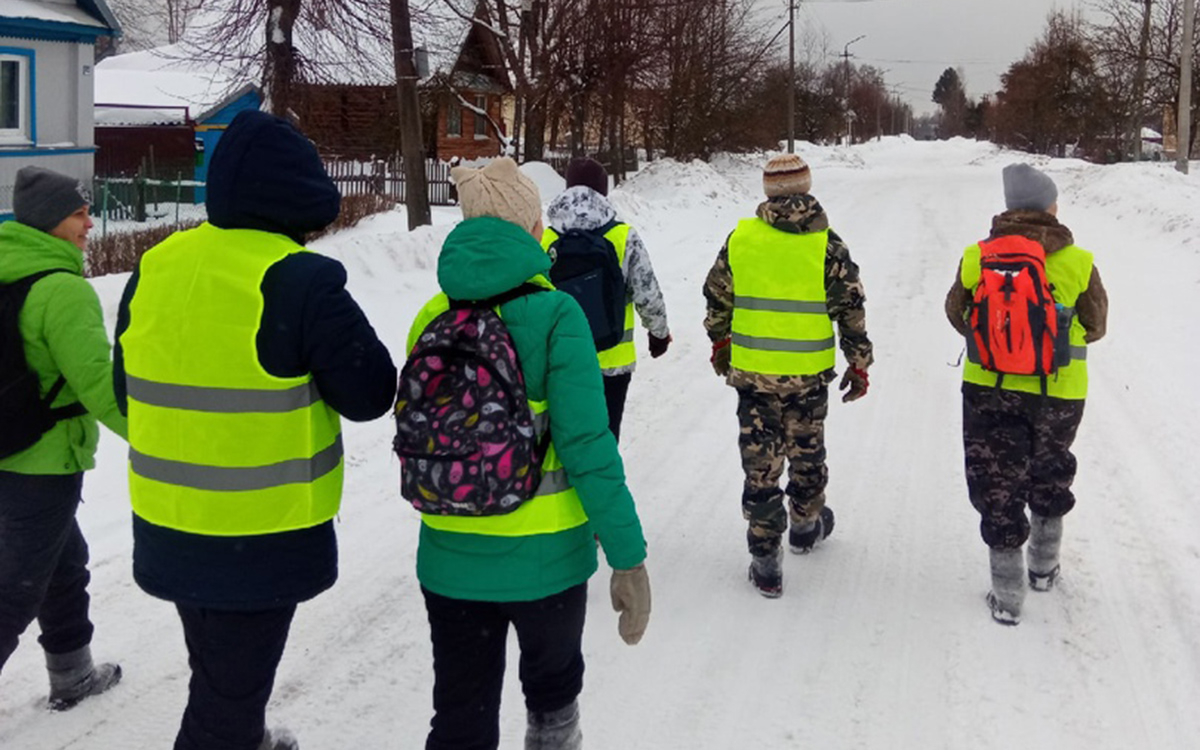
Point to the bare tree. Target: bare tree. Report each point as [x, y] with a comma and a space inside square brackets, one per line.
[1053, 96]
[528, 34]
[279, 65]
[1116, 37]
[151, 23]
[283, 42]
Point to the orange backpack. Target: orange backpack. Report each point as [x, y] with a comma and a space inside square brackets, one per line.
[1014, 320]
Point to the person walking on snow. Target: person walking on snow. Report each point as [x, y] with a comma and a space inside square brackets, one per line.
[527, 568]
[778, 285]
[1018, 429]
[584, 206]
[238, 349]
[43, 555]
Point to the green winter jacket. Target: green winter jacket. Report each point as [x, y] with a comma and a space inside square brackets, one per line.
[64, 334]
[482, 258]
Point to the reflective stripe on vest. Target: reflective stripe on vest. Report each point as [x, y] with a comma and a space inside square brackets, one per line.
[1068, 270]
[555, 506]
[624, 353]
[781, 324]
[218, 446]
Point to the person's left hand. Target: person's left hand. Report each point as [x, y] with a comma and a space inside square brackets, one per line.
[658, 347]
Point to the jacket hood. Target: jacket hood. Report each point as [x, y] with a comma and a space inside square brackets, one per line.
[580, 207]
[1038, 226]
[798, 214]
[485, 256]
[25, 250]
[266, 175]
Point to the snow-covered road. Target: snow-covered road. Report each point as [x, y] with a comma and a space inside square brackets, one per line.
[881, 639]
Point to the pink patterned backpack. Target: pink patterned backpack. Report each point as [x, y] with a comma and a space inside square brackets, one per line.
[465, 432]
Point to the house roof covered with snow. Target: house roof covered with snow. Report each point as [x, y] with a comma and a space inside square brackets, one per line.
[94, 14]
[162, 86]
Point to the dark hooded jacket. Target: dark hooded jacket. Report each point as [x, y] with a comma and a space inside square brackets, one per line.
[266, 176]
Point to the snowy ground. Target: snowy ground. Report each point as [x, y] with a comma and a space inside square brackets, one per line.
[881, 639]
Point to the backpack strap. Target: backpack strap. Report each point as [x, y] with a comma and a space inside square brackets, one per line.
[20, 287]
[608, 227]
[499, 299]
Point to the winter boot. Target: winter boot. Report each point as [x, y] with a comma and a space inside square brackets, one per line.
[279, 738]
[766, 574]
[1008, 585]
[554, 730]
[74, 677]
[1045, 537]
[802, 540]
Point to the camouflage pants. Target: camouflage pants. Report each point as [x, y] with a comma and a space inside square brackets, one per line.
[1018, 453]
[775, 427]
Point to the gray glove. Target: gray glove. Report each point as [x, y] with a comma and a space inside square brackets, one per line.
[630, 591]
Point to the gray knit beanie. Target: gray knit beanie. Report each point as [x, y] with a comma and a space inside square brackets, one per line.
[1026, 188]
[498, 190]
[42, 197]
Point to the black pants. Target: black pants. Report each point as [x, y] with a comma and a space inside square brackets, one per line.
[43, 562]
[616, 387]
[469, 639]
[1017, 448]
[233, 656]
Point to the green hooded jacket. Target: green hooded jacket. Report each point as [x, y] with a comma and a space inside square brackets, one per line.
[482, 258]
[63, 329]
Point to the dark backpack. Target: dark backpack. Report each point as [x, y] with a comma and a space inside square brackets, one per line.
[24, 412]
[1015, 325]
[465, 433]
[586, 267]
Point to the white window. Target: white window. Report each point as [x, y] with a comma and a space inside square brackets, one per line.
[14, 99]
[453, 118]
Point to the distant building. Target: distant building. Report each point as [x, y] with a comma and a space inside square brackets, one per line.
[463, 85]
[162, 113]
[347, 106]
[46, 74]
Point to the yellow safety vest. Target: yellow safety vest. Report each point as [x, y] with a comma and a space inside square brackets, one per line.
[1068, 271]
[781, 323]
[624, 353]
[555, 506]
[217, 445]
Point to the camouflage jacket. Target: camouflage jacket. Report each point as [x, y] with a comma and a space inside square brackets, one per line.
[1045, 229]
[844, 296]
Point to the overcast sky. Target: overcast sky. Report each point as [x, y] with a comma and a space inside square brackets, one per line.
[915, 40]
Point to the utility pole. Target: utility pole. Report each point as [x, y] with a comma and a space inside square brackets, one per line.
[1139, 83]
[846, 69]
[416, 191]
[1183, 150]
[519, 107]
[791, 97]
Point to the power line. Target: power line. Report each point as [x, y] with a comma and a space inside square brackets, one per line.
[937, 62]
